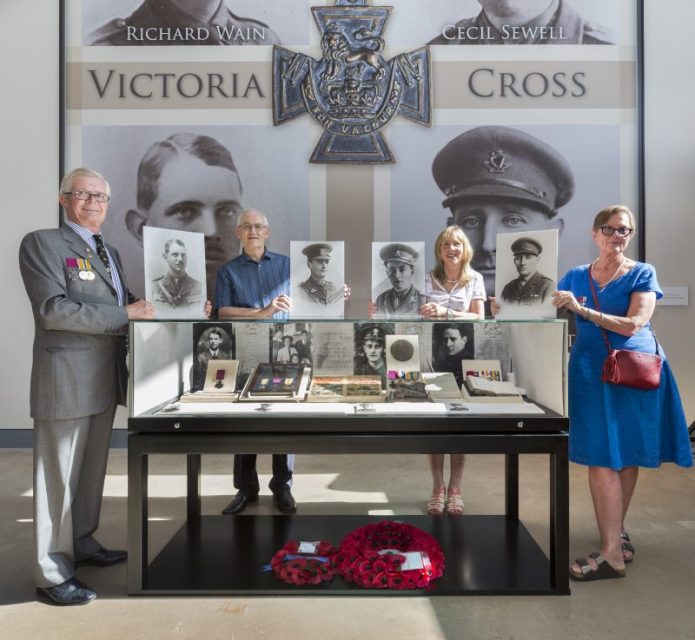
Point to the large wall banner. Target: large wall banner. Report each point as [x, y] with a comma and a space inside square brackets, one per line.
[519, 115]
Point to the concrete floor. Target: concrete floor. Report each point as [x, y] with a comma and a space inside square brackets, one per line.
[657, 599]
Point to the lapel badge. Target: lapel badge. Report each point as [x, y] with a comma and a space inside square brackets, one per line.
[352, 92]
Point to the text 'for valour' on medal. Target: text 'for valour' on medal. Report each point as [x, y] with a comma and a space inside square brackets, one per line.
[352, 92]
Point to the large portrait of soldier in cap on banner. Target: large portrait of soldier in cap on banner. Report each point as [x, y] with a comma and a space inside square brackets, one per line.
[398, 279]
[317, 274]
[496, 179]
[526, 275]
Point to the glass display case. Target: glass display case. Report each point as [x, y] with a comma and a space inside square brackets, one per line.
[347, 387]
[200, 369]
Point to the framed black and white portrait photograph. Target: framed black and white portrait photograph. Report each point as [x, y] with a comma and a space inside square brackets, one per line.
[370, 349]
[451, 343]
[317, 275]
[175, 272]
[398, 279]
[526, 275]
[210, 343]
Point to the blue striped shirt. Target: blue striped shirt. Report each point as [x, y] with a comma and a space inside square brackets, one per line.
[243, 282]
[88, 237]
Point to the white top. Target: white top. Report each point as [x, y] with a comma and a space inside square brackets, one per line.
[459, 298]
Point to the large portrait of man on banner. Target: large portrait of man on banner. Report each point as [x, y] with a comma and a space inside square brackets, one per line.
[198, 179]
[497, 179]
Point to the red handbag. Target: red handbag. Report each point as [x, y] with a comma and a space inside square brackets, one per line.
[629, 368]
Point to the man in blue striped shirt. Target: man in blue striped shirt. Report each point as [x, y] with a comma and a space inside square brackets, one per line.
[256, 285]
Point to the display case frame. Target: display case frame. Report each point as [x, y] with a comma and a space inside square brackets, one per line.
[211, 554]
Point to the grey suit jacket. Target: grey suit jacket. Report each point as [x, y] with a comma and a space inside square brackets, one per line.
[79, 344]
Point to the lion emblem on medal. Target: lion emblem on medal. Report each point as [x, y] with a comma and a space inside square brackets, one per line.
[352, 91]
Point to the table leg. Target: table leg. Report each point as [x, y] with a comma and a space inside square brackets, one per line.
[559, 522]
[193, 464]
[137, 518]
[511, 476]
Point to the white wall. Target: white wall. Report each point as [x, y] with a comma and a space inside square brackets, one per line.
[29, 176]
[670, 170]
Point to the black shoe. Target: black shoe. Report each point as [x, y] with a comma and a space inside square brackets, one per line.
[284, 501]
[105, 557]
[240, 502]
[71, 591]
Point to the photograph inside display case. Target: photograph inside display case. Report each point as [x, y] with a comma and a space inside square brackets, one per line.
[346, 367]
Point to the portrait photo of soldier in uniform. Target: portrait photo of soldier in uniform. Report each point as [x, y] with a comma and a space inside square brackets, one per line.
[528, 22]
[370, 350]
[451, 343]
[175, 272]
[210, 343]
[400, 293]
[525, 284]
[193, 22]
[317, 274]
[198, 179]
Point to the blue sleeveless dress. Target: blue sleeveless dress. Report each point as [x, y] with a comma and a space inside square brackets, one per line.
[612, 425]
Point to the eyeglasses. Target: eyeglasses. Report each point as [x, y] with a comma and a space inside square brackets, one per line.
[623, 232]
[97, 196]
[256, 227]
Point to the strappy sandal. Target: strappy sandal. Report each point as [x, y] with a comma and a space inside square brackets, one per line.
[436, 503]
[626, 547]
[604, 570]
[454, 503]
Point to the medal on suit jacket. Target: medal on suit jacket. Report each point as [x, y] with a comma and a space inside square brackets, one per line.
[85, 267]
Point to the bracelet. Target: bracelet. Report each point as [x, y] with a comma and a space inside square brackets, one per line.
[449, 315]
[599, 322]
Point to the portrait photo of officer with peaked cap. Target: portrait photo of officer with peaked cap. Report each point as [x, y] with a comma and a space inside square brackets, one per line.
[531, 287]
[181, 23]
[499, 180]
[526, 22]
[317, 273]
[526, 274]
[404, 266]
[370, 349]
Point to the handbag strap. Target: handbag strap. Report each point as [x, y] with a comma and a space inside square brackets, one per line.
[598, 308]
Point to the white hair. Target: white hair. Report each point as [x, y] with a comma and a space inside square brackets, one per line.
[67, 182]
[254, 211]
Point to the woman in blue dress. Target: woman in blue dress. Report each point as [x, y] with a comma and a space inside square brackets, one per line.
[615, 429]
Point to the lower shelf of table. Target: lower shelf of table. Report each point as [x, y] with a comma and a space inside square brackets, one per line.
[226, 554]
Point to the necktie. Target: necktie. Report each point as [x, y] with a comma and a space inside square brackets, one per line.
[101, 251]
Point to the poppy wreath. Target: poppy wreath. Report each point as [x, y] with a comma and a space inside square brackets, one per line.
[294, 567]
[359, 559]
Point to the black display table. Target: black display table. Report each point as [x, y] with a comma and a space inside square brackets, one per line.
[224, 554]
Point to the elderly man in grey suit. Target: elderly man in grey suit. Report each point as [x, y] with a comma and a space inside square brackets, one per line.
[81, 308]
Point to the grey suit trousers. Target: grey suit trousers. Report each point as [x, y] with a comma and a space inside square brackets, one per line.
[69, 469]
